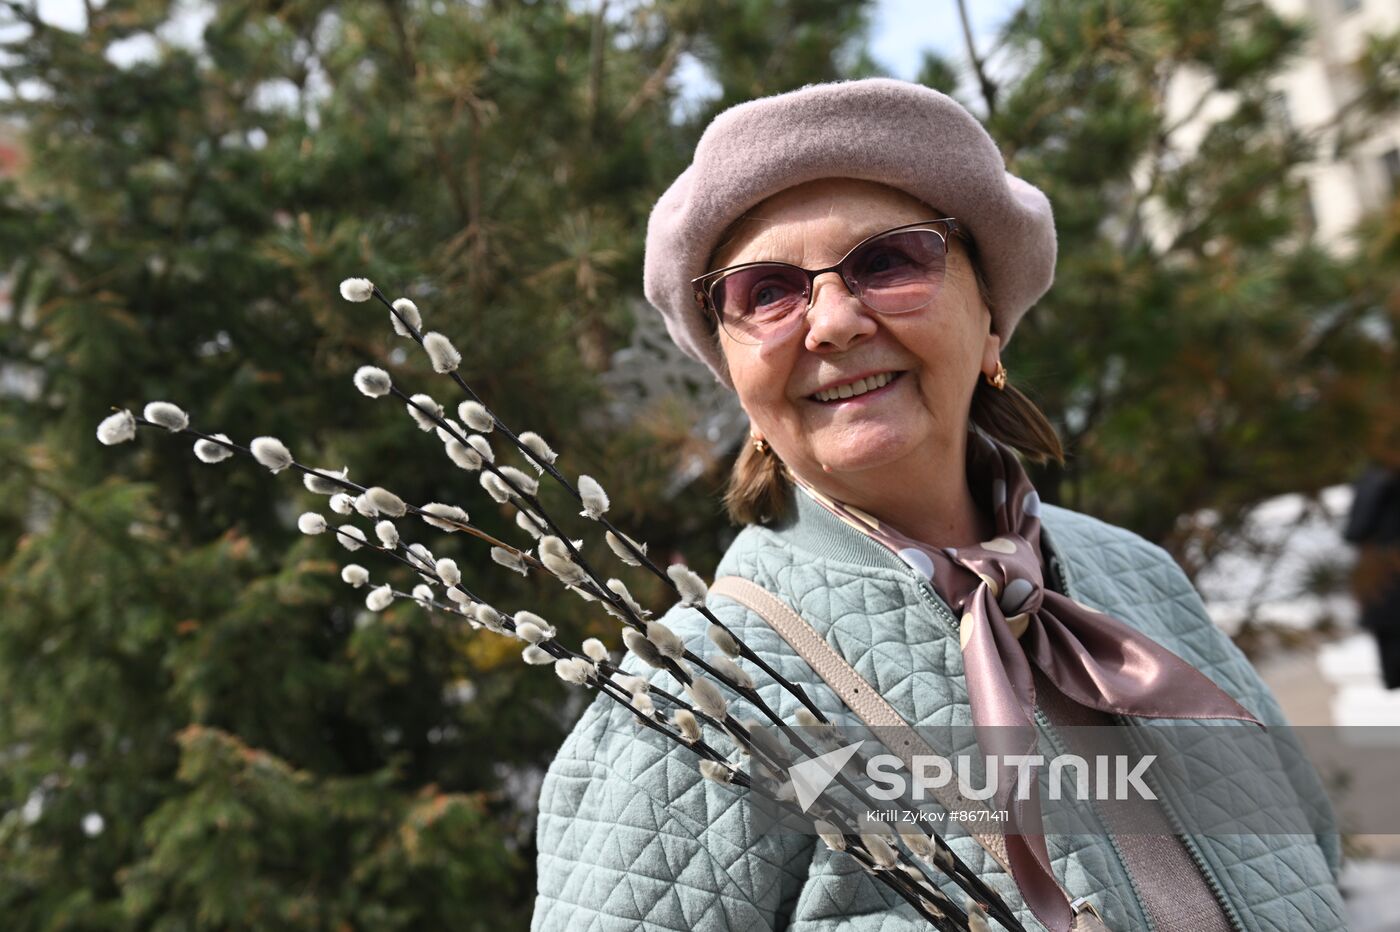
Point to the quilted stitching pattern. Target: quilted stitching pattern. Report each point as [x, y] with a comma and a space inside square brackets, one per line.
[630, 836]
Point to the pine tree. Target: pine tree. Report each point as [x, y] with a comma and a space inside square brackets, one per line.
[1223, 356]
[200, 726]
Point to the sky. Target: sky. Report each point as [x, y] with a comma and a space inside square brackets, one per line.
[901, 29]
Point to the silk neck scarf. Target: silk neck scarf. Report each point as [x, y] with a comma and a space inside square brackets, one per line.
[1009, 622]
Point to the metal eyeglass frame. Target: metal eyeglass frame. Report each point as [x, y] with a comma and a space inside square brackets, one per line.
[704, 284]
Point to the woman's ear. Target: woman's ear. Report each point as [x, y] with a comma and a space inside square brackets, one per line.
[991, 352]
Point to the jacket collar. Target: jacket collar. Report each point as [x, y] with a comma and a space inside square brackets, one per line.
[813, 528]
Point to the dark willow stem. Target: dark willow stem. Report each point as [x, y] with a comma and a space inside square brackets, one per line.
[345, 484]
[898, 881]
[963, 876]
[748, 654]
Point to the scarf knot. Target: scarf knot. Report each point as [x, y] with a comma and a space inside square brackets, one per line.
[1011, 624]
[1011, 587]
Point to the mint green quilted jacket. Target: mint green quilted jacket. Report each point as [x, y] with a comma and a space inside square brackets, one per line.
[631, 837]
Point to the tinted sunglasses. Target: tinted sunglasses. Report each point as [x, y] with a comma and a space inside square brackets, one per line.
[893, 272]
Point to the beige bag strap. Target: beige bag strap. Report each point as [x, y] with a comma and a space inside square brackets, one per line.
[874, 711]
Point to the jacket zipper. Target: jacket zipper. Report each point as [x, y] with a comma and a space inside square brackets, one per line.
[1055, 742]
[1060, 749]
[1197, 858]
[944, 612]
[1231, 915]
[1057, 569]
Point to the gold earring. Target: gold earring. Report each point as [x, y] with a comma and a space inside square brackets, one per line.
[759, 444]
[997, 381]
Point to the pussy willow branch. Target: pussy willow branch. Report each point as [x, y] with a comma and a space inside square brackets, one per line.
[748, 654]
[961, 874]
[948, 916]
[729, 724]
[736, 730]
[344, 483]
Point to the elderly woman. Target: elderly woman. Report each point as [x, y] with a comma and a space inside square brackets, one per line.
[852, 259]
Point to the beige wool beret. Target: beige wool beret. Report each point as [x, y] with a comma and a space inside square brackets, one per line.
[898, 133]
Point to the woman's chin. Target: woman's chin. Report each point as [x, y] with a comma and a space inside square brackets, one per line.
[861, 449]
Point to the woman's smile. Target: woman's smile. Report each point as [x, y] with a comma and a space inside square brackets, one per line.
[859, 392]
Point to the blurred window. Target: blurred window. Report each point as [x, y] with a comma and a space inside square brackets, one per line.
[1276, 105]
[1390, 161]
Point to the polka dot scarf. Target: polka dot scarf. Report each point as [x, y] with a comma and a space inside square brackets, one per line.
[1009, 621]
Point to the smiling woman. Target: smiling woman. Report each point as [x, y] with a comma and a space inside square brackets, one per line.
[852, 260]
[866, 447]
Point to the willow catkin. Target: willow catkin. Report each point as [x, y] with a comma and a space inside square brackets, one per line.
[373, 382]
[119, 428]
[880, 851]
[733, 672]
[445, 517]
[449, 572]
[623, 554]
[723, 639]
[475, 415]
[416, 407]
[830, 834]
[536, 445]
[646, 651]
[687, 725]
[528, 485]
[388, 534]
[207, 451]
[271, 452]
[357, 289]
[350, 537]
[311, 523]
[320, 482]
[464, 457]
[706, 698]
[379, 598]
[668, 642]
[595, 500]
[164, 414]
[410, 314]
[386, 502]
[689, 585]
[441, 353]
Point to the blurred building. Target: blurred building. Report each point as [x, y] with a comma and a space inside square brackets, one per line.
[1318, 86]
[16, 380]
[11, 160]
[1285, 566]
[11, 152]
[1312, 97]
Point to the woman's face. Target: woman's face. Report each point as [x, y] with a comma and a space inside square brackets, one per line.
[938, 351]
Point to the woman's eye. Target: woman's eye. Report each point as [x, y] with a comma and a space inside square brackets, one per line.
[883, 260]
[766, 294]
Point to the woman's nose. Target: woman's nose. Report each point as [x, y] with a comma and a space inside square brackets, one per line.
[837, 319]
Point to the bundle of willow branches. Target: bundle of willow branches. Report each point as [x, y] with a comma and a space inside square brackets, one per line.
[695, 720]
